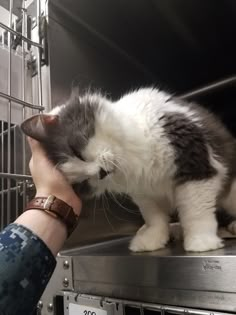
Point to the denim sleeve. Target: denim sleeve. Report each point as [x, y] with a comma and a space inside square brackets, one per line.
[26, 265]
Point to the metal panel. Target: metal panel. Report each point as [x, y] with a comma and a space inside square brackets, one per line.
[98, 303]
[120, 307]
[168, 276]
[60, 281]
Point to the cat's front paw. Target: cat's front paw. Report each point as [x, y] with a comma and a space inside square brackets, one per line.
[202, 243]
[149, 238]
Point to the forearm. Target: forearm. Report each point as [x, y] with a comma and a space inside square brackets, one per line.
[50, 230]
[26, 264]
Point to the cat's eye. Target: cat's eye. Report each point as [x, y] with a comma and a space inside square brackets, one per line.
[77, 154]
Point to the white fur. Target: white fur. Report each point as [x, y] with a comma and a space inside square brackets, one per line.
[229, 202]
[130, 144]
[154, 234]
[196, 202]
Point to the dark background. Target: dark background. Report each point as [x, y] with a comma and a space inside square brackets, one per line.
[178, 45]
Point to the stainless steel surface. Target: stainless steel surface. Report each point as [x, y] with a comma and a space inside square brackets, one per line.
[127, 307]
[170, 280]
[168, 276]
[56, 284]
[92, 304]
[50, 307]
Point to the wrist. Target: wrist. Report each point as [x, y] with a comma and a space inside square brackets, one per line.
[56, 208]
[71, 199]
[51, 230]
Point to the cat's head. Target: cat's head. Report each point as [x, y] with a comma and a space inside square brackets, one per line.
[80, 139]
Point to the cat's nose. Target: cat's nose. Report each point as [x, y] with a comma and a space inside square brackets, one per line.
[103, 173]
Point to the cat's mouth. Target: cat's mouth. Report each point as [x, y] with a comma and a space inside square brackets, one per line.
[104, 173]
[83, 190]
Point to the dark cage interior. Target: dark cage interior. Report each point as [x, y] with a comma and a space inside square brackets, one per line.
[116, 46]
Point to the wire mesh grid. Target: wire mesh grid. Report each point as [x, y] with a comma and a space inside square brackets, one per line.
[20, 91]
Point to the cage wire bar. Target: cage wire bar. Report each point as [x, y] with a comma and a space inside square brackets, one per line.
[14, 180]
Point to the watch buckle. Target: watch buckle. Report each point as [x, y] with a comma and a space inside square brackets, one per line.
[49, 202]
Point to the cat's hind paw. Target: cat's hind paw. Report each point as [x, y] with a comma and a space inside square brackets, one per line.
[148, 239]
[202, 243]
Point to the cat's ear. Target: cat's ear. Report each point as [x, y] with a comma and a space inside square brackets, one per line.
[40, 126]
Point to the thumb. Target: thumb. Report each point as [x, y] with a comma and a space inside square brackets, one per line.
[35, 146]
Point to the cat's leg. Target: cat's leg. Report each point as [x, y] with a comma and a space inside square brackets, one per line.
[154, 234]
[196, 204]
[228, 202]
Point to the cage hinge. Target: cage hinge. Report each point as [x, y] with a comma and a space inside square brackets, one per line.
[32, 63]
[43, 36]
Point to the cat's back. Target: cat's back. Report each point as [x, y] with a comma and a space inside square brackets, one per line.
[143, 100]
[174, 117]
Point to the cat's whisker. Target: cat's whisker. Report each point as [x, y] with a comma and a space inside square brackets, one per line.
[105, 168]
[111, 178]
[119, 204]
[107, 218]
[126, 177]
[116, 201]
[110, 211]
[94, 209]
[119, 167]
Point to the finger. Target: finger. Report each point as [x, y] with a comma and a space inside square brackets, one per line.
[31, 165]
[32, 143]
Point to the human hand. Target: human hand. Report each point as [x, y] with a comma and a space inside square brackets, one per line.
[50, 181]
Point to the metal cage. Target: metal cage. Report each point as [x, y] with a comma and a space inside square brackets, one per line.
[21, 95]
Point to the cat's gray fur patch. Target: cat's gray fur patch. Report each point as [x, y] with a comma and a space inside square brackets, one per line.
[76, 127]
[190, 141]
[192, 161]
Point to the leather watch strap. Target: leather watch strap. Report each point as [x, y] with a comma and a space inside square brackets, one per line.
[56, 208]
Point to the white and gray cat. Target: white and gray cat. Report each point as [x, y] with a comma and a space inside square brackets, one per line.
[165, 153]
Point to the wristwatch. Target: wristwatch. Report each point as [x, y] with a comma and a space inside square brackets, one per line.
[57, 208]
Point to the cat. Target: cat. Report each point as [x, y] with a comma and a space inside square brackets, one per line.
[163, 152]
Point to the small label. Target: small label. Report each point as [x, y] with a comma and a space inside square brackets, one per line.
[211, 265]
[76, 309]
